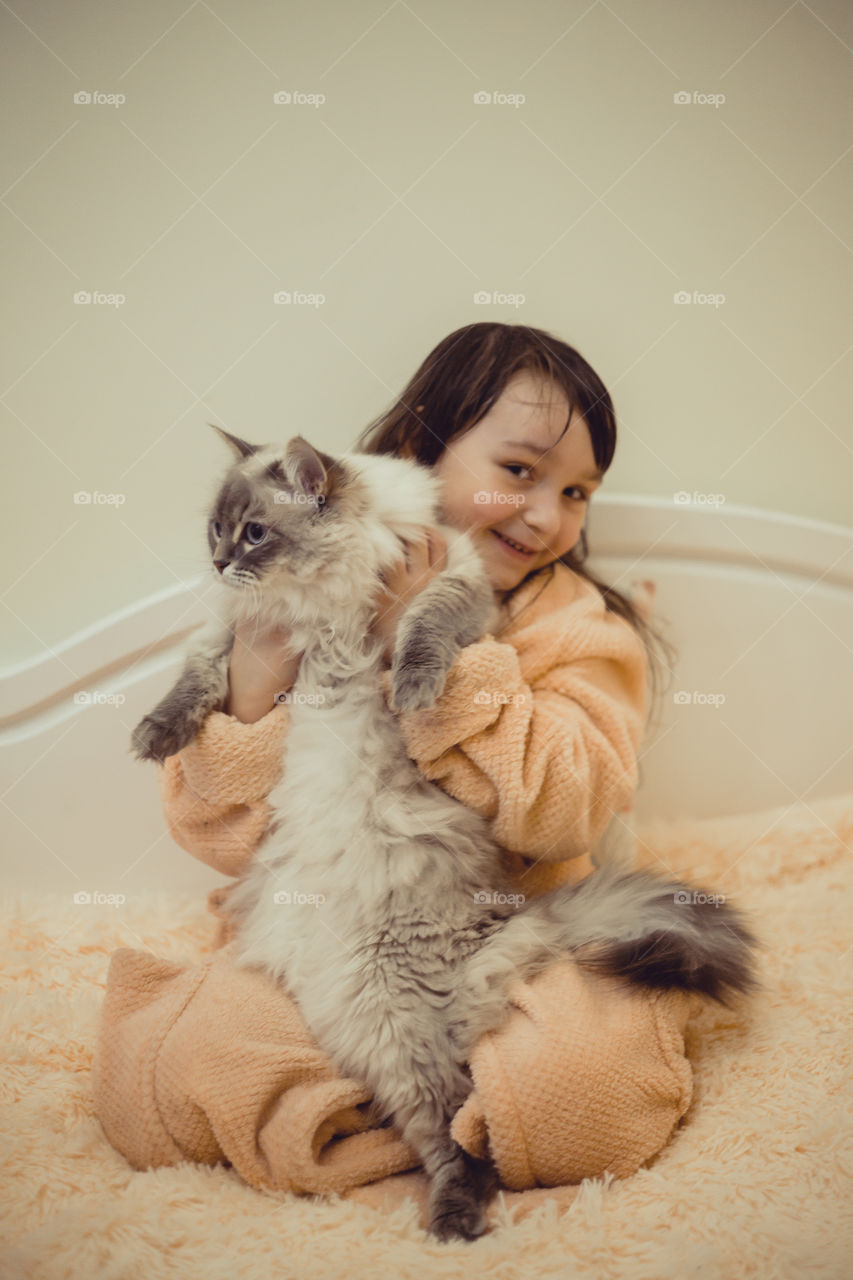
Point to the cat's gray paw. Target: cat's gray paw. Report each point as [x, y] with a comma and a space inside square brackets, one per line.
[414, 688]
[154, 739]
[458, 1209]
[451, 1220]
[463, 1225]
[420, 664]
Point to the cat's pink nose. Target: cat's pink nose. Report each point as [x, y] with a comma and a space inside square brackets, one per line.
[222, 564]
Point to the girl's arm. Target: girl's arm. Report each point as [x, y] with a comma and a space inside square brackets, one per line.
[214, 791]
[541, 739]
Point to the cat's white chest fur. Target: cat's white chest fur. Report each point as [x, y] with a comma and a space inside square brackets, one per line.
[357, 836]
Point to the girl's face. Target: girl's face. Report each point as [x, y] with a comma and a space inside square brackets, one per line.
[511, 477]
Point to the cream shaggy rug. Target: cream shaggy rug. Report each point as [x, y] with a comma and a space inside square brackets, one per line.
[756, 1181]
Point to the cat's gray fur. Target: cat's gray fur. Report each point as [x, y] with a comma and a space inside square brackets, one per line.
[378, 900]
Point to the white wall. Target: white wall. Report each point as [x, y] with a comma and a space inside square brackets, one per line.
[397, 199]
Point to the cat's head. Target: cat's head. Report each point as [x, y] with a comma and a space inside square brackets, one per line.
[290, 520]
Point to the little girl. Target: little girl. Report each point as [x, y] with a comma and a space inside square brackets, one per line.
[538, 728]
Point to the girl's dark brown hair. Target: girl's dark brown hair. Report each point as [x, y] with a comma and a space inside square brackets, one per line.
[454, 389]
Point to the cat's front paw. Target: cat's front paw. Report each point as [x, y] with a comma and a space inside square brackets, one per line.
[414, 688]
[154, 739]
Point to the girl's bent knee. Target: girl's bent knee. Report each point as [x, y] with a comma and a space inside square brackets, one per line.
[585, 1075]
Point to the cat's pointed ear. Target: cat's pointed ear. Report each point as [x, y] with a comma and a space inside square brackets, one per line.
[240, 447]
[307, 467]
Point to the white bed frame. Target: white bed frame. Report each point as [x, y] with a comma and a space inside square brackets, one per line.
[758, 604]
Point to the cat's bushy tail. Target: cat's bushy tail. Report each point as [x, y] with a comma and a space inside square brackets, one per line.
[652, 931]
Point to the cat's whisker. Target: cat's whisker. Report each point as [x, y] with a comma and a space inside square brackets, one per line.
[255, 593]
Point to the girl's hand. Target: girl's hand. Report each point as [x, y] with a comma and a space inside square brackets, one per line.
[425, 559]
[261, 666]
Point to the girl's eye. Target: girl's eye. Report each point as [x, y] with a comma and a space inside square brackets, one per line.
[255, 533]
[519, 466]
[217, 528]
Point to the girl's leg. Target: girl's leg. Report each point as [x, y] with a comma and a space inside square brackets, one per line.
[214, 1064]
[586, 1074]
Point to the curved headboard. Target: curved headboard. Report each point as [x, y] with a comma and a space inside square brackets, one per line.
[759, 607]
[756, 714]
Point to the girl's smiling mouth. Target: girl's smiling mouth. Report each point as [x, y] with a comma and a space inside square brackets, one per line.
[513, 548]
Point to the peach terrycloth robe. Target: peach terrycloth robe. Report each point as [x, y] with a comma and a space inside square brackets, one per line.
[538, 731]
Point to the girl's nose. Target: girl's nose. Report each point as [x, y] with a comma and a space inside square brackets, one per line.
[541, 515]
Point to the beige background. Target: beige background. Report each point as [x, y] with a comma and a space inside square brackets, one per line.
[398, 199]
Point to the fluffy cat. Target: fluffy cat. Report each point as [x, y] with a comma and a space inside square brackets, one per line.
[376, 899]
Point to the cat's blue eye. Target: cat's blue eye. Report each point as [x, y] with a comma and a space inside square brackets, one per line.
[255, 533]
